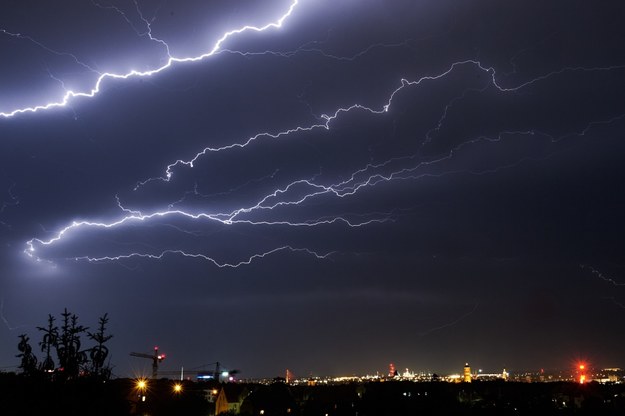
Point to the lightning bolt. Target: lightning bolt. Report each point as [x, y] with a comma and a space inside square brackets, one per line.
[617, 303]
[606, 279]
[602, 276]
[305, 49]
[452, 323]
[148, 23]
[14, 201]
[300, 191]
[220, 265]
[6, 321]
[271, 201]
[405, 83]
[197, 193]
[48, 49]
[226, 220]
[171, 61]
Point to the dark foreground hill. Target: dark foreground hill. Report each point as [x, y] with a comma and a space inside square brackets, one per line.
[20, 395]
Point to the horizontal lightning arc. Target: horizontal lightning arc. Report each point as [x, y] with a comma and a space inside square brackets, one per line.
[305, 49]
[226, 219]
[279, 198]
[69, 94]
[207, 258]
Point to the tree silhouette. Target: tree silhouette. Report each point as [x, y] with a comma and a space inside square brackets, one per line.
[48, 342]
[68, 351]
[28, 363]
[99, 353]
[73, 361]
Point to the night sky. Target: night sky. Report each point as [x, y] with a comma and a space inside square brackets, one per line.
[344, 185]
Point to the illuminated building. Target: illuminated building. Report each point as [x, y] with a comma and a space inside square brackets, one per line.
[466, 374]
[392, 372]
[230, 398]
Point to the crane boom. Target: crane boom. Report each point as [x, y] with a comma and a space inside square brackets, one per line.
[139, 354]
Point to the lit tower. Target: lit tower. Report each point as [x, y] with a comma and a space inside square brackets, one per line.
[392, 372]
[582, 374]
[466, 373]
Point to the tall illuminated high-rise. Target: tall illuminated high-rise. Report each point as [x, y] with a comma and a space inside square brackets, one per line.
[466, 373]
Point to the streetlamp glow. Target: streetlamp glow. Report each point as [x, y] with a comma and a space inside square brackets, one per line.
[142, 385]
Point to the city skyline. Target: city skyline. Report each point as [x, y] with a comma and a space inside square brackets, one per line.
[321, 186]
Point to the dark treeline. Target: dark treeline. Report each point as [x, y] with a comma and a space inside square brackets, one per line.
[32, 395]
[64, 355]
[398, 398]
[25, 395]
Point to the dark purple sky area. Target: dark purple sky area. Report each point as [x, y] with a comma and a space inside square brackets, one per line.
[347, 184]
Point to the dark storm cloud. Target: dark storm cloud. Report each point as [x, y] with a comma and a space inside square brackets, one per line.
[486, 188]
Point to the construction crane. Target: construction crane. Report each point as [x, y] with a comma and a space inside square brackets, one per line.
[205, 372]
[156, 358]
[202, 372]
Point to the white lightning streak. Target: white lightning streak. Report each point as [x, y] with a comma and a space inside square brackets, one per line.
[6, 204]
[304, 49]
[454, 322]
[341, 189]
[197, 193]
[53, 51]
[383, 109]
[70, 94]
[137, 217]
[148, 23]
[291, 194]
[14, 200]
[207, 258]
[602, 276]
[6, 321]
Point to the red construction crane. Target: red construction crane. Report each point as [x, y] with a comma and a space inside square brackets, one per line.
[156, 358]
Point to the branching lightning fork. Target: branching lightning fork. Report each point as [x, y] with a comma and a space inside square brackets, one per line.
[70, 94]
[207, 258]
[329, 118]
[298, 191]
